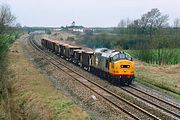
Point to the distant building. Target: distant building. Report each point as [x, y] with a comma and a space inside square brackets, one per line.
[78, 28]
[57, 29]
[39, 31]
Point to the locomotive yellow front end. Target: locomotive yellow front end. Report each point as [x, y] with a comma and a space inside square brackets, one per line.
[121, 68]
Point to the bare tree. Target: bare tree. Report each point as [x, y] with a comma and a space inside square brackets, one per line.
[177, 23]
[6, 17]
[151, 21]
[128, 21]
[122, 24]
[18, 25]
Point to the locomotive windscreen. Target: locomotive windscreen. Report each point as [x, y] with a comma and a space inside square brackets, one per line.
[121, 56]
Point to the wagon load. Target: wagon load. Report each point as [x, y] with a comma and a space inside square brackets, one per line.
[87, 59]
[77, 59]
[69, 51]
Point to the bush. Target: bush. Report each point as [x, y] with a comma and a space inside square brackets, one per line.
[158, 56]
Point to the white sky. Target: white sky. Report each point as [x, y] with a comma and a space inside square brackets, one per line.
[91, 13]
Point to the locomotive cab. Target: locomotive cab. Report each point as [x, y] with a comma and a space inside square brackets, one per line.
[121, 67]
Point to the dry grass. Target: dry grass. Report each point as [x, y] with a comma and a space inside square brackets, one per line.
[33, 95]
[166, 76]
[60, 35]
[2, 110]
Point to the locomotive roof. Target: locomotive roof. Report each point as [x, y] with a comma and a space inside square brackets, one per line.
[113, 53]
[105, 52]
[100, 50]
[110, 53]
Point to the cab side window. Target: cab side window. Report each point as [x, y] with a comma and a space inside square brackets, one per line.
[116, 57]
[107, 63]
[128, 57]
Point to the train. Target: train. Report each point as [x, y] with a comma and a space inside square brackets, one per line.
[113, 65]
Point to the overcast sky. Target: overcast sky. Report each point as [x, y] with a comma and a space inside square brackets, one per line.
[91, 13]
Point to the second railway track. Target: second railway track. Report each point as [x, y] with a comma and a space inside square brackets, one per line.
[168, 107]
[134, 111]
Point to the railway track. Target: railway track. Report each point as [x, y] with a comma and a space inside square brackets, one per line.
[170, 108]
[120, 103]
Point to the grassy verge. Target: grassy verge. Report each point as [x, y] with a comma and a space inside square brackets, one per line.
[2, 91]
[164, 78]
[32, 94]
[159, 88]
[2, 110]
[5, 42]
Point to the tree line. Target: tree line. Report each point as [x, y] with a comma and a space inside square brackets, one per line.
[8, 28]
[149, 38]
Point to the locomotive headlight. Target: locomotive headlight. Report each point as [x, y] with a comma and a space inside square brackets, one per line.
[125, 66]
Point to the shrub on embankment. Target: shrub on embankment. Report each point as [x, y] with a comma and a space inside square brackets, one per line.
[5, 41]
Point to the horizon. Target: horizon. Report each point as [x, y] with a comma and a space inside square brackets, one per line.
[102, 13]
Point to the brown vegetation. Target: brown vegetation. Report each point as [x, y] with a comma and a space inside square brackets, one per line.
[32, 95]
[165, 76]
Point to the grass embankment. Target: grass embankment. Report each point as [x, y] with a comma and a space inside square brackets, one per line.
[6, 40]
[164, 78]
[32, 95]
[3, 91]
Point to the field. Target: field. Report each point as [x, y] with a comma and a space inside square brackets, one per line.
[164, 78]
